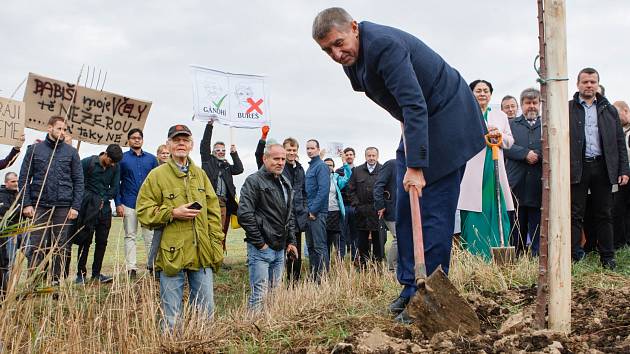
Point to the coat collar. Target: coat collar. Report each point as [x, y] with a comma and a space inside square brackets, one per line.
[523, 121]
[179, 173]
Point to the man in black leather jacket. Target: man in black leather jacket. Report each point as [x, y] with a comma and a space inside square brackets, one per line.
[265, 213]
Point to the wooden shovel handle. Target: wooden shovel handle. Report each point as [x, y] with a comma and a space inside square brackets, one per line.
[418, 241]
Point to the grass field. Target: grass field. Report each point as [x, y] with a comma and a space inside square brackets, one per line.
[123, 316]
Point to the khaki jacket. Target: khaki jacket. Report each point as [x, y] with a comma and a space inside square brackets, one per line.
[185, 244]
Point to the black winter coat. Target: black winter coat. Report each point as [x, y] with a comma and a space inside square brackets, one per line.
[212, 165]
[7, 197]
[64, 182]
[295, 175]
[361, 192]
[263, 212]
[385, 190]
[610, 134]
[344, 191]
[525, 179]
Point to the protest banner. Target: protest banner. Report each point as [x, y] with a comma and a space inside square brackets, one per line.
[235, 100]
[11, 121]
[93, 116]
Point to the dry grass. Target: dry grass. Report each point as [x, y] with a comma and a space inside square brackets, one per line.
[124, 316]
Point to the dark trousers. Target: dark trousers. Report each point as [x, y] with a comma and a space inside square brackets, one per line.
[438, 206]
[294, 266]
[333, 232]
[371, 246]
[101, 231]
[595, 178]
[621, 216]
[316, 241]
[53, 237]
[527, 223]
[348, 241]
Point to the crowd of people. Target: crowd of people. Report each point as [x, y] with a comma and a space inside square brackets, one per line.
[183, 211]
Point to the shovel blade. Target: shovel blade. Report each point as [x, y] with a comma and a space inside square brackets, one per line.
[438, 307]
[503, 255]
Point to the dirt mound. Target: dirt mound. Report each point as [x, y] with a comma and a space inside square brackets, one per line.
[600, 323]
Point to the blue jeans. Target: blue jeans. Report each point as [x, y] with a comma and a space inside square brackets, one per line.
[265, 273]
[172, 291]
[438, 205]
[317, 243]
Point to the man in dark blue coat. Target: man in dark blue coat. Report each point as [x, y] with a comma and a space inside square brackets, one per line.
[51, 179]
[524, 170]
[442, 126]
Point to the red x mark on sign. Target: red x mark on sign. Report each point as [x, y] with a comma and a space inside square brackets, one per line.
[255, 106]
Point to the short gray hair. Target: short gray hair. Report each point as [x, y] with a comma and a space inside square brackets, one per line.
[333, 17]
[268, 148]
[9, 175]
[530, 93]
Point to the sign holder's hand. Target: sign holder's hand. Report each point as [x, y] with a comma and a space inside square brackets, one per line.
[265, 131]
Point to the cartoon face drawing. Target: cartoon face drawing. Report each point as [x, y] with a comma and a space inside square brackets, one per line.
[213, 90]
[242, 93]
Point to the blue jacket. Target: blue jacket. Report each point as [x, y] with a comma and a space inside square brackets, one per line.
[317, 186]
[340, 181]
[64, 182]
[385, 190]
[443, 123]
[133, 171]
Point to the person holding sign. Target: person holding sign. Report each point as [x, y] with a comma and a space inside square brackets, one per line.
[220, 172]
[51, 178]
[442, 126]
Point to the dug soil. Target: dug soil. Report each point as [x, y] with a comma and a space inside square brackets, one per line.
[600, 323]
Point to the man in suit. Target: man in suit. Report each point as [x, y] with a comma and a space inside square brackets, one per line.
[442, 127]
[524, 170]
[598, 160]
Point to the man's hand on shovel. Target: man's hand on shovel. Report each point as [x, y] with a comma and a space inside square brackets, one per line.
[414, 177]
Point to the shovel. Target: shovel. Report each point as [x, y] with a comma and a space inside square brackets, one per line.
[501, 255]
[436, 306]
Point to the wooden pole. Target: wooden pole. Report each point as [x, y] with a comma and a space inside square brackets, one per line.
[543, 264]
[559, 178]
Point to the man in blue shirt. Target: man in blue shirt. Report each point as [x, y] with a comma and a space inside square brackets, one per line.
[134, 168]
[317, 187]
[598, 160]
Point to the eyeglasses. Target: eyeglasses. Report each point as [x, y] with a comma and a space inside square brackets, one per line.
[219, 150]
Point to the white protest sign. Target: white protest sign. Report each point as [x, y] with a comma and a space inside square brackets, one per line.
[11, 121]
[335, 149]
[235, 100]
[97, 117]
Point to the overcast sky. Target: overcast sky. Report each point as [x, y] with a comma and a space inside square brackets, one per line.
[146, 48]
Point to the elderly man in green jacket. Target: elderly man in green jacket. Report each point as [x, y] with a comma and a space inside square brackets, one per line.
[178, 198]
